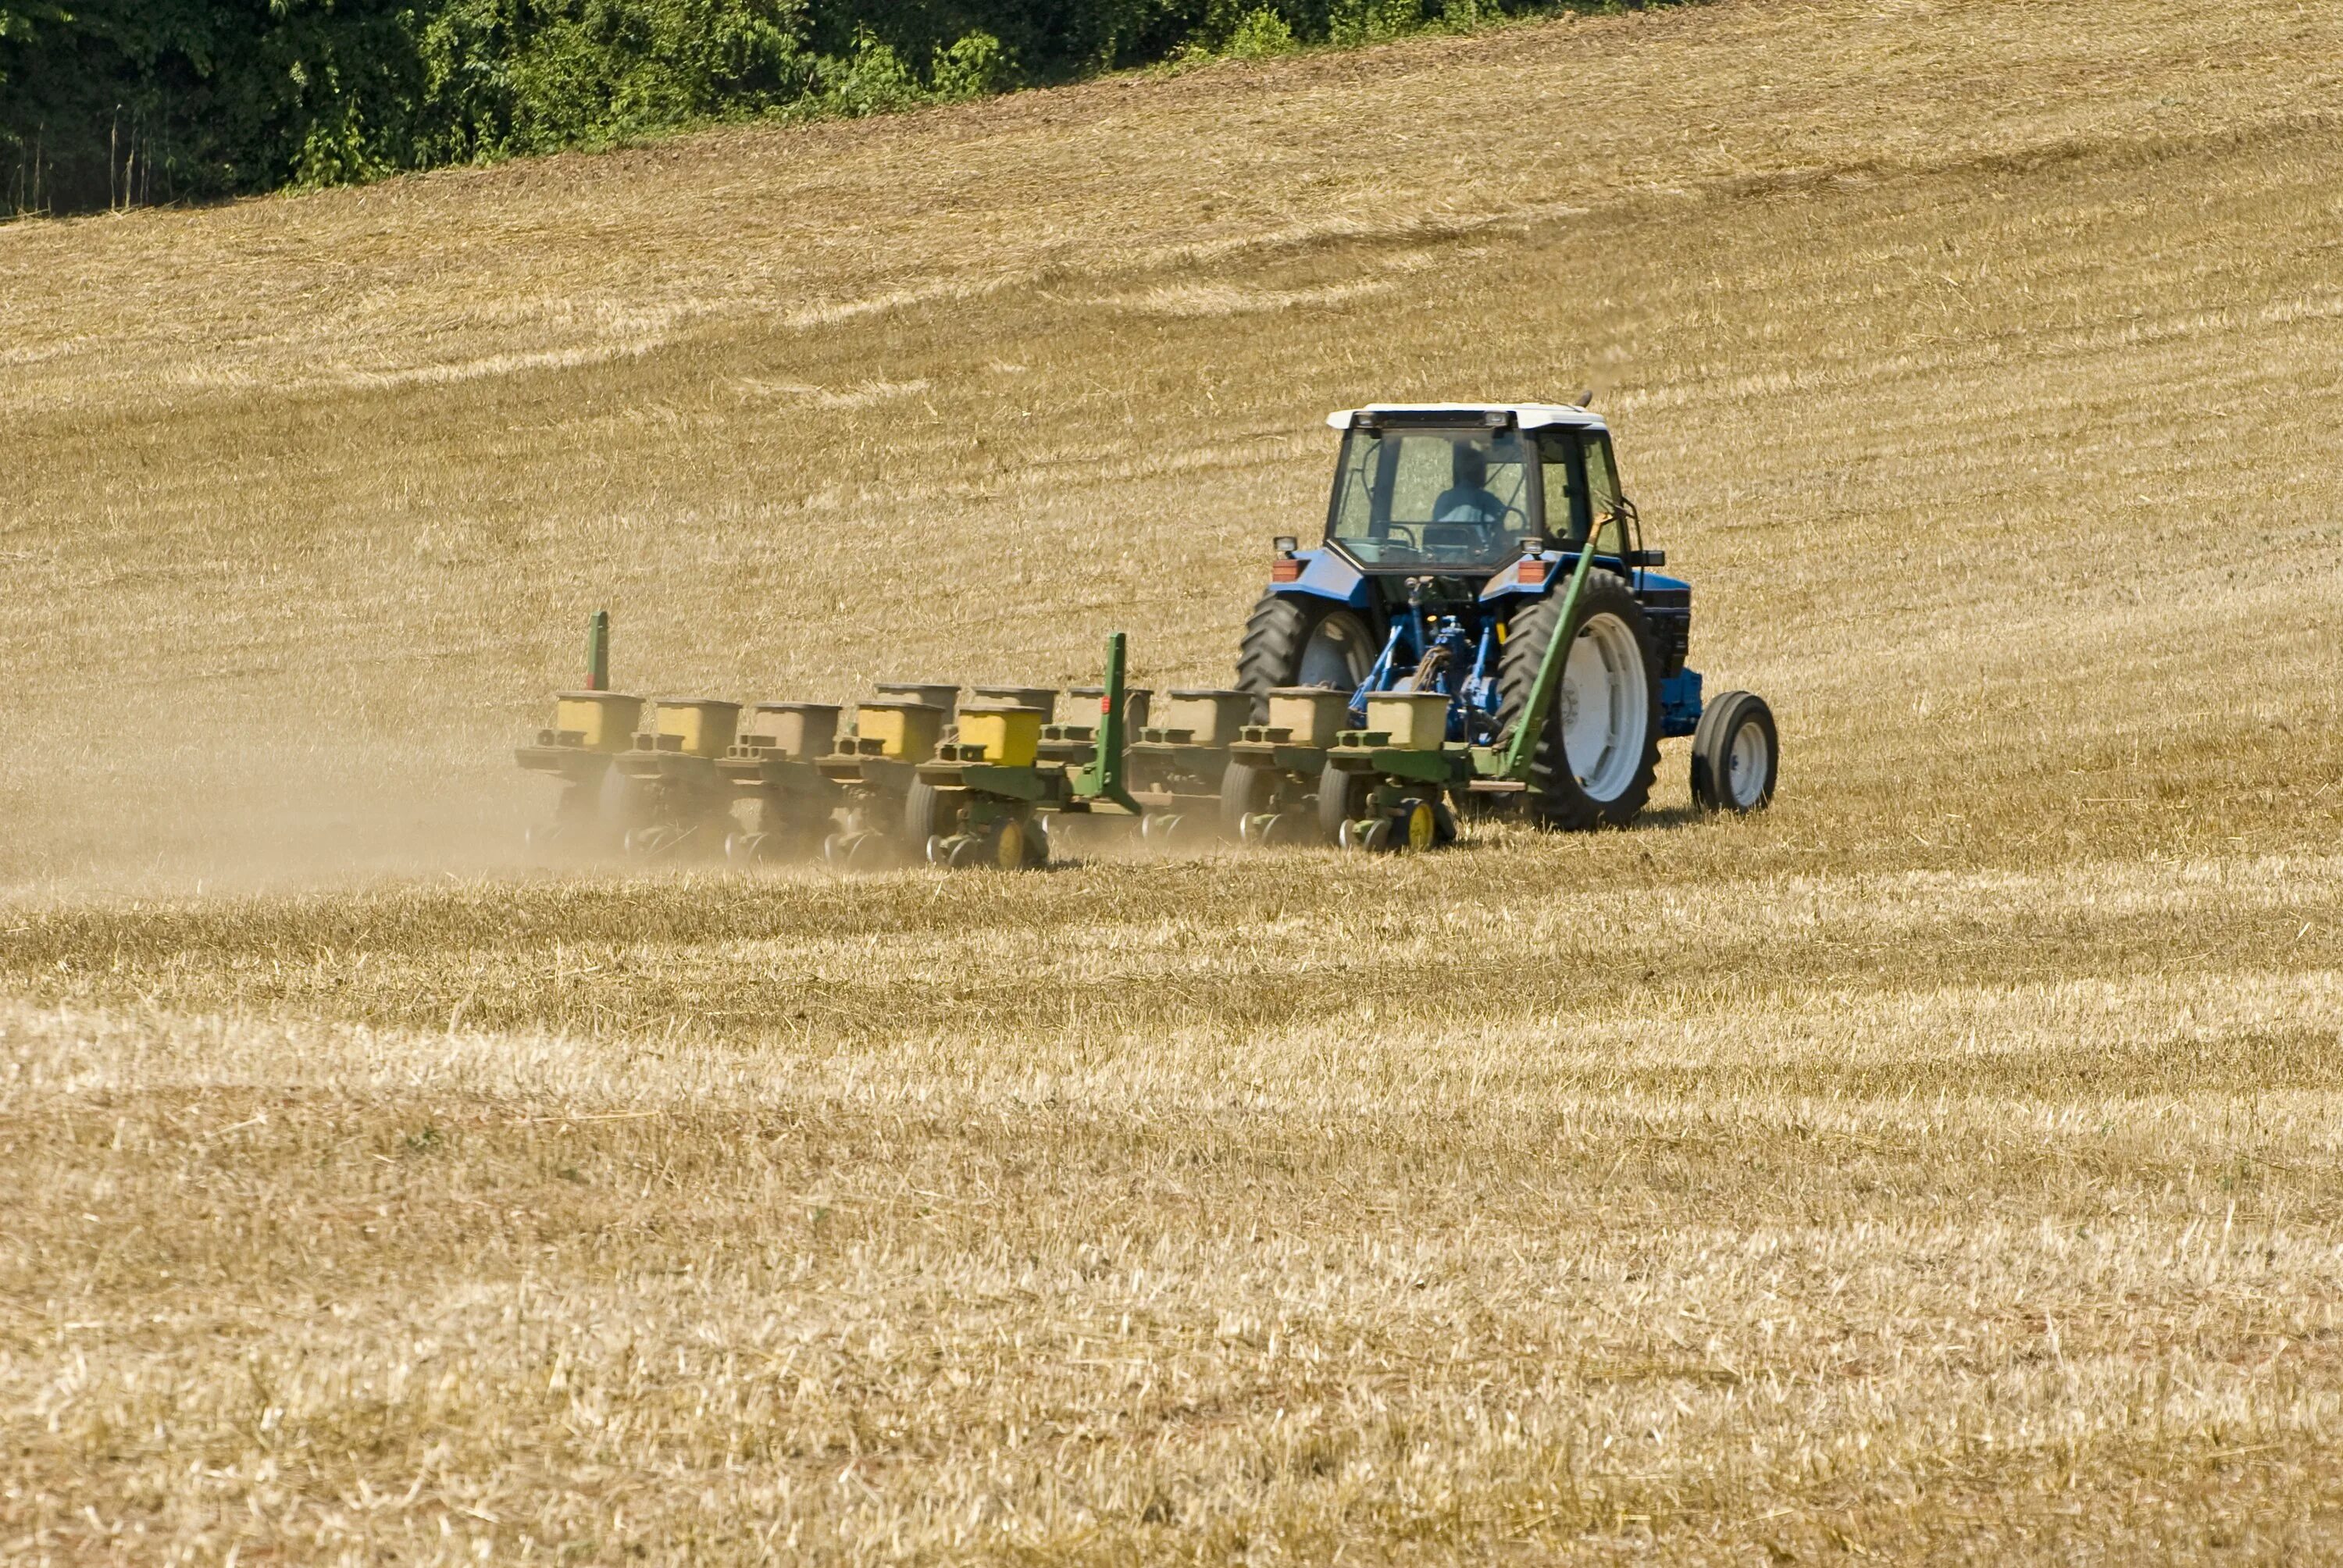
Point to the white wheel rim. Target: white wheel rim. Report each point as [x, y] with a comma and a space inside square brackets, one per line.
[1604, 707]
[1746, 765]
[1336, 656]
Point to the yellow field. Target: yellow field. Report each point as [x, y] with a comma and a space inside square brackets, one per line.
[1942, 1166]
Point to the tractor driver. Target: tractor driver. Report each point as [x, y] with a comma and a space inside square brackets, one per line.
[1469, 503]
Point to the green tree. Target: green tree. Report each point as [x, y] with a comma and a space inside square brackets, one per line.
[1258, 34]
[152, 100]
[1352, 22]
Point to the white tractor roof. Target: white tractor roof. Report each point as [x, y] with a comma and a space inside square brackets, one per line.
[1528, 416]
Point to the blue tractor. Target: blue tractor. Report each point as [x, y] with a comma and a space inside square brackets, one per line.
[1461, 540]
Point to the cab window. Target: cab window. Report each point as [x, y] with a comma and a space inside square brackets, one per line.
[1603, 489]
[1449, 498]
[1566, 493]
[1581, 485]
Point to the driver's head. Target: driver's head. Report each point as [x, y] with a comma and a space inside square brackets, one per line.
[1472, 466]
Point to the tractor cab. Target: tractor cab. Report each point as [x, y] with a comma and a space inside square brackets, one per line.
[1457, 490]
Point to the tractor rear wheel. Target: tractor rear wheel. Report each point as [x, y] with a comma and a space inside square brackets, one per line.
[1294, 639]
[1599, 749]
[1736, 755]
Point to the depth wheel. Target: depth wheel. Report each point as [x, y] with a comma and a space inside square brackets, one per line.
[1342, 798]
[929, 813]
[1736, 755]
[1246, 791]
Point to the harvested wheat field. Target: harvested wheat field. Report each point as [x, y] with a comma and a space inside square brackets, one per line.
[1943, 1165]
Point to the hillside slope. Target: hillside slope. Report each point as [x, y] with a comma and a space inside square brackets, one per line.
[432, 422]
[1941, 1167]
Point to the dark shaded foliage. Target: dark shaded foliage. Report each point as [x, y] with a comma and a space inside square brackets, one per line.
[117, 102]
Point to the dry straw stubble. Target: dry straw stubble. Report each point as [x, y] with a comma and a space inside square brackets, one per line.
[1940, 1166]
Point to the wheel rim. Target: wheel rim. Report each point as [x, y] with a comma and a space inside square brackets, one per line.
[1336, 656]
[1746, 765]
[1604, 707]
[1423, 827]
[1008, 847]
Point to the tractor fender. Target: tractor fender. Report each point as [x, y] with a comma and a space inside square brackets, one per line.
[1507, 581]
[1559, 565]
[1680, 700]
[1325, 574]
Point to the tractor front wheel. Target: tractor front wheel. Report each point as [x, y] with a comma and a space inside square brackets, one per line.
[1736, 755]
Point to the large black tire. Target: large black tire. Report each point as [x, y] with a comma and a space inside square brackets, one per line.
[1736, 755]
[1245, 791]
[1287, 632]
[1557, 796]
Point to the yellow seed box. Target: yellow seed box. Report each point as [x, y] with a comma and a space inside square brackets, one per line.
[1010, 736]
[698, 726]
[1416, 721]
[1312, 713]
[604, 720]
[908, 731]
[798, 729]
[1214, 716]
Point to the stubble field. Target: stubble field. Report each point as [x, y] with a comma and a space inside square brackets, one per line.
[1942, 1166]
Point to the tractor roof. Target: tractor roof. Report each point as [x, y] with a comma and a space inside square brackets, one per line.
[1528, 416]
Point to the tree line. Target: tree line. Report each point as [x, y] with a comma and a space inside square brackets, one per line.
[114, 102]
